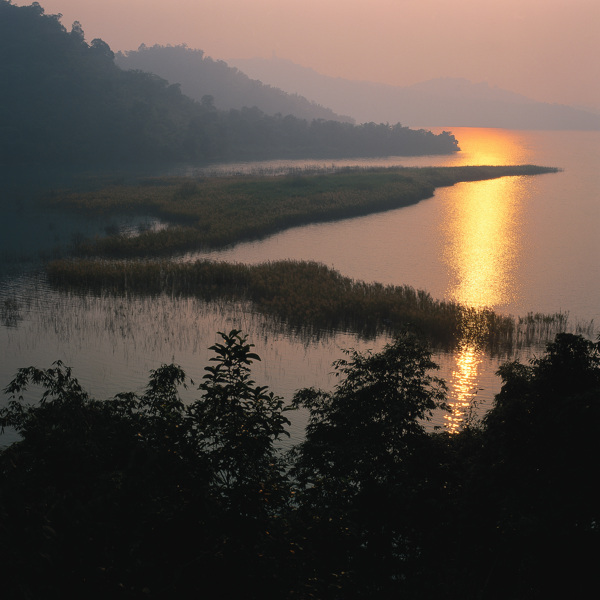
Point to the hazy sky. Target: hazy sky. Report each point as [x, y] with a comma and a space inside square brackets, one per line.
[546, 49]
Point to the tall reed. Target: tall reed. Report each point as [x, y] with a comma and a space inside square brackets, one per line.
[308, 295]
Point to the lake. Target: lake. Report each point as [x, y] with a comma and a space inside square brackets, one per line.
[517, 245]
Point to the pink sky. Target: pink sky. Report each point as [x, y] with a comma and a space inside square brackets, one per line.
[546, 49]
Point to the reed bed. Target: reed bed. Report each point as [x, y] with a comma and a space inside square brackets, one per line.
[309, 296]
[217, 211]
[10, 312]
[212, 212]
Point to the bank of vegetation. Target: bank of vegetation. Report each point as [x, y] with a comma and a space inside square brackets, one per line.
[309, 296]
[213, 212]
[143, 496]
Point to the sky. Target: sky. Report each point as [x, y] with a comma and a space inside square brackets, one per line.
[548, 50]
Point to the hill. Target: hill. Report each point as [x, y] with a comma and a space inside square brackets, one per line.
[441, 102]
[199, 75]
[65, 101]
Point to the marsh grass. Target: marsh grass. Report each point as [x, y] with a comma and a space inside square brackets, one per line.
[211, 212]
[310, 296]
[206, 212]
[10, 312]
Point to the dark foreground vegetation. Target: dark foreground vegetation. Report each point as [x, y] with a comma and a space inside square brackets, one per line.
[216, 211]
[308, 296]
[64, 101]
[141, 496]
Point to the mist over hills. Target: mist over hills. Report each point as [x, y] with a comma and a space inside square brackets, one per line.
[438, 102]
[199, 75]
[65, 101]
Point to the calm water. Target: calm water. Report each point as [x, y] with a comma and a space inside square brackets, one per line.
[517, 244]
[514, 244]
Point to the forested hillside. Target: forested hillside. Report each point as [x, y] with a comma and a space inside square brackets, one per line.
[66, 101]
[200, 75]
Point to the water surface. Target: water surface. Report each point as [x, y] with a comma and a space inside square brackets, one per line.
[514, 244]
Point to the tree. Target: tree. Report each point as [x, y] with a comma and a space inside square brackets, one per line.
[208, 103]
[369, 426]
[236, 424]
[362, 467]
[142, 494]
[88, 489]
[100, 48]
[77, 32]
[530, 502]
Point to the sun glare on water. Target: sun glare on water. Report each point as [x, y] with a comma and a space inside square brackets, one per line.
[483, 244]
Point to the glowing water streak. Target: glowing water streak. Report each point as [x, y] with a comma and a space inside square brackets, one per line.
[483, 245]
[463, 385]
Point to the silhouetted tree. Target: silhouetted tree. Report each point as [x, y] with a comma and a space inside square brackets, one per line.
[362, 469]
[530, 505]
[141, 495]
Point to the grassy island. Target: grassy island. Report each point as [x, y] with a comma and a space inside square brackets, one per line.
[213, 212]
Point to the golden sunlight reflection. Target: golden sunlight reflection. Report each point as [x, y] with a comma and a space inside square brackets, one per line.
[463, 385]
[482, 247]
[481, 224]
[482, 241]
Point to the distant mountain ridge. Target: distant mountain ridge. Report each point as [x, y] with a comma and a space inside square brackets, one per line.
[461, 87]
[437, 102]
[199, 75]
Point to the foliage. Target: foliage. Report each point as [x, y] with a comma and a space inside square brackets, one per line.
[88, 486]
[363, 456]
[530, 499]
[370, 422]
[138, 494]
[236, 425]
[66, 101]
[143, 495]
